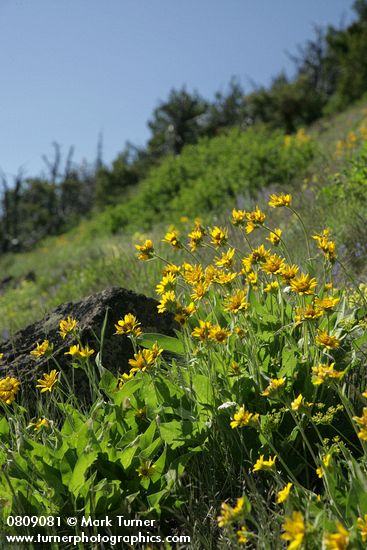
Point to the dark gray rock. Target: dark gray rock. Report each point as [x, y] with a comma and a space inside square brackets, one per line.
[90, 314]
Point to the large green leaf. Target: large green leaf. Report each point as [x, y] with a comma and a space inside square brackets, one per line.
[168, 343]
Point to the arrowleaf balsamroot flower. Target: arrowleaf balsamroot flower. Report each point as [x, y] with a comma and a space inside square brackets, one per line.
[275, 385]
[184, 312]
[196, 238]
[283, 495]
[271, 287]
[67, 326]
[41, 423]
[273, 265]
[202, 331]
[294, 530]
[326, 459]
[219, 334]
[303, 284]
[362, 526]
[9, 388]
[243, 418]
[171, 237]
[255, 219]
[238, 217]
[242, 535]
[326, 340]
[146, 250]
[328, 302]
[262, 464]
[275, 201]
[80, 352]
[128, 325]
[308, 313]
[48, 381]
[45, 348]
[275, 236]
[236, 302]
[146, 469]
[229, 514]
[289, 272]
[322, 373]
[339, 540]
[219, 236]
[226, 260]
[362, 421]
[168, 302]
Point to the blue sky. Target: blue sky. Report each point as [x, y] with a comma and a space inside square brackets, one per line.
[70, 69]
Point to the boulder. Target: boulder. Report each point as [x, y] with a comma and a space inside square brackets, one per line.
[90, 314]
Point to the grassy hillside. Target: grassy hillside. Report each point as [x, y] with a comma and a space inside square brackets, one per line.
[208, 179]
[257, 416]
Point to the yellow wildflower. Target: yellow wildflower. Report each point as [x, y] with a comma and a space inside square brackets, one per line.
[326, 303]
[192, 274]
[1, 357]
[48, 381]
[234, 369]
[284, 493]
[289, 272]
[171, 268]
[327, 246]
[219, 334]
[275, 236]
[362, 526]
[196, 237]
[238, 217]
[226, 260]
[9, 388]
[272, 287]
[219, 236]
[262, 464]
[252, 279]
[171, 237]
[80, 352]
[146, 469]
[326, 459]
[45, 348]
[67, 326]
[230, 514]
[242, 535]
[255, 218]
[362, 421]
[339, 540]
[243, 418]
[303, 284]
[322, 373]
[294, 530]
[297, 403]
[168, 302]
[146, 250]
[326, 340]
[273, 265]
[168, 282]
[142, 359]
[202, 332]
[275, 385]
[222, 278]
[128, 325]
[199, 291]
[41, 423]
[280, 200]
[308, 313]
[184, 312]
[236, 302]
